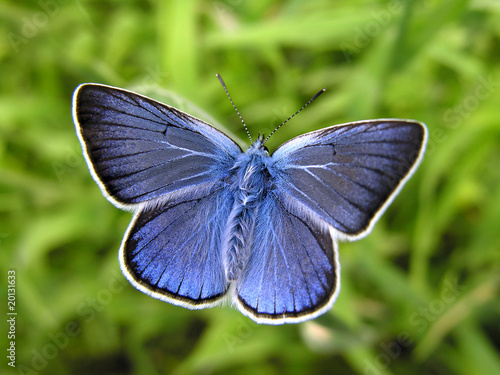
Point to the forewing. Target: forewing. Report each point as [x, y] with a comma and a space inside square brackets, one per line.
[139, 149]
[293, 273]
[174, 253]
[347, 175]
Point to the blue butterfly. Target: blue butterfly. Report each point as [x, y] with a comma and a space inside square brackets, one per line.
[213, 222]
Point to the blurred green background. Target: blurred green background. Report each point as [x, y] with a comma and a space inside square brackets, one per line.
[419, 295]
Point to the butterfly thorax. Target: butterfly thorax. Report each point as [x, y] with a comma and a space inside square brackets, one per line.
[249, 185]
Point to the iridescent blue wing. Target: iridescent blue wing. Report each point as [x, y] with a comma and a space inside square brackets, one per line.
[347, 175]
[325, 185]
[293, 273]
[173, 253]
[140, 150]
[171, 168]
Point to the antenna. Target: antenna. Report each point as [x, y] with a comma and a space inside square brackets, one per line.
[292, 116]
[236, 109]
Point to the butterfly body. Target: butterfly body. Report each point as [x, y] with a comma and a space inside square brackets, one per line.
[213, 222]
[249, 183]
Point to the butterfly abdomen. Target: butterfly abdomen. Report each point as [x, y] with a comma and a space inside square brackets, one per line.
[249, 188]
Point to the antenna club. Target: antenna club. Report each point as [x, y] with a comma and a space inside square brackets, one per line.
[221, 80]
[315, 96]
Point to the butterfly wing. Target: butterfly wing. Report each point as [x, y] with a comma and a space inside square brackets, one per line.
[141, 150]
[293, 273]
[345, 176]
[173, 253]
[329, 184]
[171, 168]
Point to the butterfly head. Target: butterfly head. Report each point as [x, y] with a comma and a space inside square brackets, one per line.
[258, 146]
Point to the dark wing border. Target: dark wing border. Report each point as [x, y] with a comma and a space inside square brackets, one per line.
[297, 143]
[217, 137]
[292, 264]
[213, 199]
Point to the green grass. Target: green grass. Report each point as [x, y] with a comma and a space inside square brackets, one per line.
[419, 295]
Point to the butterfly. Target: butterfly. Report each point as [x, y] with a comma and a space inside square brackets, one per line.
[214, 223]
